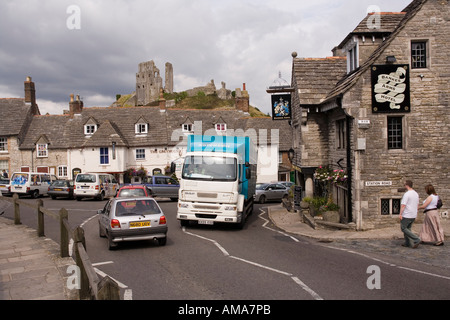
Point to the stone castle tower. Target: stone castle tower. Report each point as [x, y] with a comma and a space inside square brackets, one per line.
[149, 82]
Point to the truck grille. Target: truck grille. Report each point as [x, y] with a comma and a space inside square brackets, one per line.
[206, 216]
[206, 195]
[206, 207]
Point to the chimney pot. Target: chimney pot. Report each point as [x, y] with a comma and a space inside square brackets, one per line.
[71, 97]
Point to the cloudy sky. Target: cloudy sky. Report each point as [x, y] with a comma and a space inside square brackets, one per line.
[93, 48]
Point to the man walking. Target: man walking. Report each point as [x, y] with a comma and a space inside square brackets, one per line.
[408, 214]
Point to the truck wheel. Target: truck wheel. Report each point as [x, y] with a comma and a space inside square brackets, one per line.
[184, 223]
[241, 224]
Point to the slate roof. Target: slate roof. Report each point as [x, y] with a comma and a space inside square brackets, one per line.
[316, 77]
[13, 115]
[389, 21]
[118, 124]
[348, 81]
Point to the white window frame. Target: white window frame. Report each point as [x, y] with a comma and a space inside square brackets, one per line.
[62, 172]
[141, 154]
[42, 150]
[141, 128]
[3, 144]
[187, 127]
[88, 128]
[221, 127]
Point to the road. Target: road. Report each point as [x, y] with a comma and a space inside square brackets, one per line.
[257, 263]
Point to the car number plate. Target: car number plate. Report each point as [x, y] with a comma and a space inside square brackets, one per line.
[57, 189]
[206, 222]
[139, 224]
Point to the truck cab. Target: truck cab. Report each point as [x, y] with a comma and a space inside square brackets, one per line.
[218, 180]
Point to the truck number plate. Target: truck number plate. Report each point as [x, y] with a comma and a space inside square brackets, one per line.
[206, 222]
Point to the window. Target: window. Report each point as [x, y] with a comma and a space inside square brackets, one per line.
[62, 171]
[141, 128]
[352, 59]
[340, 134]
[104, 156]
[395, 133]
[418, 54]
[42, 150]
[221, 127]
[390, 206]
[187, 127]
[90, 129]
[3, 144]
[140, 154]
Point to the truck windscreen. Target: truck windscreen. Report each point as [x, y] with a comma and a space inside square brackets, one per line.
[210, 168]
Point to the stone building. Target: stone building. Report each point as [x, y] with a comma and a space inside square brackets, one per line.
[379, 110]
[149, 82]
[16, 117]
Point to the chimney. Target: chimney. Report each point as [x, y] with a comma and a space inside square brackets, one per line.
[242, 99]
[30, 92]
[75, 106]
[30, 96]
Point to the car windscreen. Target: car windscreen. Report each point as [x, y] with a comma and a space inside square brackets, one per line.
[59, 183]
[210, 168]
[89, 178]
[136, 207]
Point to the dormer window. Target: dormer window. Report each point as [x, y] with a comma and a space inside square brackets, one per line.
[89, 129]
[352, 58]
[42, 150]
[141, 128]
[221, 127]
[187, 127]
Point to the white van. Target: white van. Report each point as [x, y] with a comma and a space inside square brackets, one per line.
[31, 183]
[95, 185]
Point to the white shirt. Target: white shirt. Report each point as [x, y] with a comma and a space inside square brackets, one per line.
[411, 201]
[433, 203]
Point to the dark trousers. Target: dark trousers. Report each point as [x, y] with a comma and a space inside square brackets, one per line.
[410, 237]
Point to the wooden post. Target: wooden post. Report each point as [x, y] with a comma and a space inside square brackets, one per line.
[64, 233]
[16, 209]
[40, 215]
[108, 289]
[78, 237]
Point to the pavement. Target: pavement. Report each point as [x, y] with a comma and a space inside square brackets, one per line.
[31, 268]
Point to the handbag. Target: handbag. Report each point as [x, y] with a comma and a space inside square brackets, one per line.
[439, 203]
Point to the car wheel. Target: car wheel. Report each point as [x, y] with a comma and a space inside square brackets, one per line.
[101, 196]
[35, 194]
[262, 199]
[162, 241]
[111, 245]
[53, 197]
[100, 232]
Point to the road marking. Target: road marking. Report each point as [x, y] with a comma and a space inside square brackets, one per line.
[101, 263]
[278, 231]
[390, 264]
[226, 254]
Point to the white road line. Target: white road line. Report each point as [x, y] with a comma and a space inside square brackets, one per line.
[278, 231]
[390, 264]
[225, 252]
[101, 263]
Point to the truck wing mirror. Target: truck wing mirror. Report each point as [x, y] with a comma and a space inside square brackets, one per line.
[172, 167]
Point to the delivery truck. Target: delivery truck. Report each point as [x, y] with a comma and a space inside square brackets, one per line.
[218, 180]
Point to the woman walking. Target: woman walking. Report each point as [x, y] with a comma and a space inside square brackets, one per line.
[431, 229]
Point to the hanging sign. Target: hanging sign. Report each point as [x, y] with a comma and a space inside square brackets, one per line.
[281, 107]
[390, 88]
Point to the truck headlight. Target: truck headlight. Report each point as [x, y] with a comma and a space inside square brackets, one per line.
[183, 205]
[232, 208]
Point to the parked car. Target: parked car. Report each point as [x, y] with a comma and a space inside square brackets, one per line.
[34, 184]
[95, 185]
[61, 188]
[5, 187]
[133, 191]
[287, 184]
[270, 192]
[132, 219]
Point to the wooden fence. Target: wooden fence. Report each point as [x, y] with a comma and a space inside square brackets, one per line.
[91, 287]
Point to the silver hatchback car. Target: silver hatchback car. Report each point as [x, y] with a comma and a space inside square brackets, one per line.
[132, 219]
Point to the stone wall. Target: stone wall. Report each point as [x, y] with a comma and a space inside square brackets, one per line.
[426, 136]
